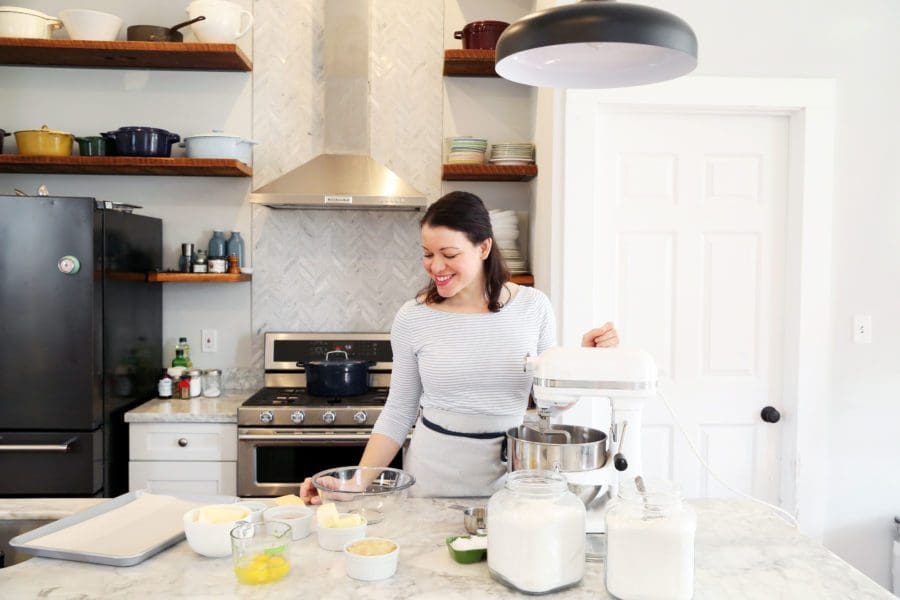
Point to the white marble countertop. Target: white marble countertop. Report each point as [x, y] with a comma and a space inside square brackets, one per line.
[743, 551]
[195, 410]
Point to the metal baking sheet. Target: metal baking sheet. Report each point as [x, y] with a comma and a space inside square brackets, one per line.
[19, 542]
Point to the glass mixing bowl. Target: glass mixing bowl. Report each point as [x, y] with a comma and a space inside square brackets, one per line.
[373, 492]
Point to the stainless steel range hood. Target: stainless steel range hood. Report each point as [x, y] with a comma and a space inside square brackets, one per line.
[344, 175]
[340, 181]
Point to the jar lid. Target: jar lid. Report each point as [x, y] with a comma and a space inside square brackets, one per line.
[213, 371]
[194, 372]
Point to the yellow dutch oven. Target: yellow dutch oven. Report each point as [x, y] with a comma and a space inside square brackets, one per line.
[44, 142]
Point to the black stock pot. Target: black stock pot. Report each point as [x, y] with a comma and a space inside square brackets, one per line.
[329, 377]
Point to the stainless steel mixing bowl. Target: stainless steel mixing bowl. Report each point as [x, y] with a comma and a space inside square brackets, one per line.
[579, 449]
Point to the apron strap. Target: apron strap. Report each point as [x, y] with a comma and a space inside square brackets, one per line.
[478, 436]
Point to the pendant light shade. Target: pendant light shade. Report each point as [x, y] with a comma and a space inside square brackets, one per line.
[596, 44]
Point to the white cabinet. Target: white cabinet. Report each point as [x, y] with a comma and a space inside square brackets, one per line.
[197, 458]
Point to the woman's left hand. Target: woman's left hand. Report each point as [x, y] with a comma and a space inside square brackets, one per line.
[605, 336]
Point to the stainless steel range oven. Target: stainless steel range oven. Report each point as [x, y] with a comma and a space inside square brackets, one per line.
[286, 434]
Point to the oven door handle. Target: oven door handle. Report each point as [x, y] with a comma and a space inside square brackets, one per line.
[63, 447]
[305, 437]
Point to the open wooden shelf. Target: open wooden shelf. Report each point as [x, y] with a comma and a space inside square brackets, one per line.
[469, 63]
[124, 165]
[123, 55]
[523, 279]
[162, 277]
[489, 172]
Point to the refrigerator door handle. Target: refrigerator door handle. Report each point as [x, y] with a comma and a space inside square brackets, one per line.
[63, 447]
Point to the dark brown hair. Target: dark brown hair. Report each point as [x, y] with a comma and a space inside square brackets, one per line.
[465, 212]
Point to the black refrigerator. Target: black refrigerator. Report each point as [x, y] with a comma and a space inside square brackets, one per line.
[80, 342]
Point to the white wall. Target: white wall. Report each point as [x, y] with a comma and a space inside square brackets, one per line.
[88, 101]
[856, 45]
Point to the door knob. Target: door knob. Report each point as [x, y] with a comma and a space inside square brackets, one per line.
[770, 414]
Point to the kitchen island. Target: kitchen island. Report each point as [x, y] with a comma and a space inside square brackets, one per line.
[742, 551]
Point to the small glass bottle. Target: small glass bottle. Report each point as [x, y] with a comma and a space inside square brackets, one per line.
[184, 387]
[212, 383]
[217, 245]
[186, 350]
[536, 511]
[650, 542]
[236, 247]
[164, 386]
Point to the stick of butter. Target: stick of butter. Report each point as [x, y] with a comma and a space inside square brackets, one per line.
[290, 499]
[327, 515]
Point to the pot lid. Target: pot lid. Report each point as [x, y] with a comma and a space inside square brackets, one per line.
[26, 11]
[216, 133]
[44, 129]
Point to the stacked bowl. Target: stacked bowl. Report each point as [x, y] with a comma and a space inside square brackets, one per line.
[505, 224]
[512, 154]
[465, 150]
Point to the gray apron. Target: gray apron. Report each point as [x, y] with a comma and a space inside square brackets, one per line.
[457, 455]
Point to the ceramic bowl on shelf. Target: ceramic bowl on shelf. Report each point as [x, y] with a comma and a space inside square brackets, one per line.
[83, 24]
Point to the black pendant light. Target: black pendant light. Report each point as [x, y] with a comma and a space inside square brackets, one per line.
[596, 44]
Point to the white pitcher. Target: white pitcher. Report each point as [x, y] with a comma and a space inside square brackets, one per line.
[224, 21]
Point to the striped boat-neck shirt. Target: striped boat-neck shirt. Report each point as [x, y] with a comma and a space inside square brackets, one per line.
[464, 363]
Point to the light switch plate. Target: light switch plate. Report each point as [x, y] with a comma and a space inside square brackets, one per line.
[862, 329]
[210, 340]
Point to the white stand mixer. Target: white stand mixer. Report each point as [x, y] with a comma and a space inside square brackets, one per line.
[625, 377]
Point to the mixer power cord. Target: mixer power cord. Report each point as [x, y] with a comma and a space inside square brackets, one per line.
[787, 516]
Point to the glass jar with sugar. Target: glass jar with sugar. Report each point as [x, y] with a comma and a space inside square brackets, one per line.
[650, 542]
[535, 526]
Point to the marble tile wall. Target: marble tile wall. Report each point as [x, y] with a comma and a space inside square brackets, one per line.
[324, 270]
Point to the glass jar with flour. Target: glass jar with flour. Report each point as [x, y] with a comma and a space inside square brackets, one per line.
[650, 542]
[535, 529]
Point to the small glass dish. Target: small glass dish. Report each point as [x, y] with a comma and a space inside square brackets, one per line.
[260, 552]
[372, 492]
[466, 557]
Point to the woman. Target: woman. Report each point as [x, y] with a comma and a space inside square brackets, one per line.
[458, 350]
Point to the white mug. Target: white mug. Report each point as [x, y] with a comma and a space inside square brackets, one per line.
[224, 21]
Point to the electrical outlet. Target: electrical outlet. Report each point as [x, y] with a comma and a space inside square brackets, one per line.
[862, 329]
[210, 341]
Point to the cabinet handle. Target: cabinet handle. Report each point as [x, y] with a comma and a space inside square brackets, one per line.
[182, 442]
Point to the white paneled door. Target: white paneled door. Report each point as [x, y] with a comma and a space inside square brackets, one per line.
[687, 254]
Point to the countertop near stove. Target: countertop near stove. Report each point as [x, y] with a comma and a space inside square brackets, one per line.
[195, 410]
[743, 551]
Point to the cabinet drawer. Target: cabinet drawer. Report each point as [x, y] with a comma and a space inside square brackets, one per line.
[182, 441]
[203, 478]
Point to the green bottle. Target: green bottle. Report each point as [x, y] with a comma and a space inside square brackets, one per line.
[180, 360]
[186, 349]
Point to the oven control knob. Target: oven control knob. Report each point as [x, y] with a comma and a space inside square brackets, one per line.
[360, 417]
[266, 416]
[328, 417]
[297, 417]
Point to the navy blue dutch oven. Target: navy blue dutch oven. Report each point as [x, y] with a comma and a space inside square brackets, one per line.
[329, 377]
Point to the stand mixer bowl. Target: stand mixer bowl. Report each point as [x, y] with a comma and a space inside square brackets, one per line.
[563, 448]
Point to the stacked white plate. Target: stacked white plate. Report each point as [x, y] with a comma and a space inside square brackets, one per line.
[512, 154]
[466, 150]
[505, 224]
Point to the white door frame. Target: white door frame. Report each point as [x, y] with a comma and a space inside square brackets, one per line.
[809, 106]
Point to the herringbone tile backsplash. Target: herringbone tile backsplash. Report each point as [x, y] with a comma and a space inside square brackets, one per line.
[335, 271]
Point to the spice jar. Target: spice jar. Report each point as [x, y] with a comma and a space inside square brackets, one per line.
[212, 383]
[536, 535]
[650, 542]
[196, 382]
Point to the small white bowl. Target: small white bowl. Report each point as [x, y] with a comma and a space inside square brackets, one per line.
[371, 567]
[83, 24]
[335, 538]
[211, 539]
[299, 518]
[256, 509]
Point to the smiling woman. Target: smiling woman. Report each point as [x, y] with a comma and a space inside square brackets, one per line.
[458, 349]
